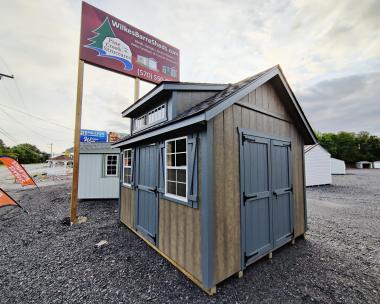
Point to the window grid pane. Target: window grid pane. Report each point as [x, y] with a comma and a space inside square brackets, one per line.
[127, 166]
[176, 167]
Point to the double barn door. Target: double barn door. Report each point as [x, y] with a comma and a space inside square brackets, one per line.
[267, 211]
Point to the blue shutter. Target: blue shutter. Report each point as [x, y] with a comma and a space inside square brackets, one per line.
[192, 172]
[161, 168]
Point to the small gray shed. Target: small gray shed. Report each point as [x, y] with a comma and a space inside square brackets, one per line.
[98, 171]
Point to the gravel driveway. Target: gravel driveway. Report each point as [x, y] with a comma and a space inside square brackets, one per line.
[42, 260]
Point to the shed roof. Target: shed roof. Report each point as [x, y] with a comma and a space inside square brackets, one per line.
[96, 148]
[308, 148]
[61, 157]
[231, 93]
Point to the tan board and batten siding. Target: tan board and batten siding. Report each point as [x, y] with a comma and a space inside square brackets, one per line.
[127, 207]
[245, 114]
[179, 228]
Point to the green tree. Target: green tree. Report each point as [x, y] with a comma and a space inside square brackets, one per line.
[27, 153]
[351, 147]
[102, 32]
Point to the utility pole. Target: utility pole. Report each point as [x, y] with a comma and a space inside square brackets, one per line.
[51, 150]
[5, 75]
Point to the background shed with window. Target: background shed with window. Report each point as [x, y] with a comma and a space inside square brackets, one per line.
[98, 171]
[214, 173]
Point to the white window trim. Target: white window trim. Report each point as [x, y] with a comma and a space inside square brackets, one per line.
[106, 164]
[124, 167]
[180, 198]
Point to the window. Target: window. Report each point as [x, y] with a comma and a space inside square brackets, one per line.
[176, 168]
[157, 114]
[127, 167]
[154, 116]
[111, 165]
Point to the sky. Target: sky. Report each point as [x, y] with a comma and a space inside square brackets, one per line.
[328, 50]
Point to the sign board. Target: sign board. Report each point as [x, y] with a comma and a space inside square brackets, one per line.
[17, 170]
[115, 136]
[91, 136]
[113, 44]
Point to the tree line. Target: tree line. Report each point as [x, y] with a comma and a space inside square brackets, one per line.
[24, 153]
[351, 147]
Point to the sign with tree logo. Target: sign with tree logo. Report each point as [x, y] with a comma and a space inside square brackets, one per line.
[115, 45]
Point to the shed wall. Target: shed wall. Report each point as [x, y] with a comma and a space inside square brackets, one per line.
[92, 182]
[180, 230]
[179, 234]
[338, 166]
[246, 114]
[127, 207]
[317, 167]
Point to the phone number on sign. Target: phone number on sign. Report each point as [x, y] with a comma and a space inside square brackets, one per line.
[149, 75]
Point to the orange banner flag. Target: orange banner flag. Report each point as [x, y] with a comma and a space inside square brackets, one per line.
[18, 171]
[6, 200]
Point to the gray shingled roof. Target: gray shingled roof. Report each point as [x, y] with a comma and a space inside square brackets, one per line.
[220, 96]
[96, 148]
[206, 104]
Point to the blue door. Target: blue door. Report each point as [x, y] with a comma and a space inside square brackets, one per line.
[267, 211]
[282, 192]
[147, 191]
[256, 197]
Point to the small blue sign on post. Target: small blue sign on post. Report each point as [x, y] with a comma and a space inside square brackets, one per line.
[91, 136]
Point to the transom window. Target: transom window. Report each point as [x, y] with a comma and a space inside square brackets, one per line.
[176, 168]
[154, 116]
[127, 167]
[111, 165]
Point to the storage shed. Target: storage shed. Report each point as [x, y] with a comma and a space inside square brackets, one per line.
[376, 165]
[98, 171]
[337, 166]
[317, 166]
[213, 174]
[364, 165]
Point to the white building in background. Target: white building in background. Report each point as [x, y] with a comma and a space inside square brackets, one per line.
[364, 165]
[98, 171]
[317, 166]
[376, 164]
[338, 166]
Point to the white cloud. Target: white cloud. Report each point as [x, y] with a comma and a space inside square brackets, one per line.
[220, 41]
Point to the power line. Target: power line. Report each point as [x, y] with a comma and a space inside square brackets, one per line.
[17, 143]
[35, 116]
[5, 75]
[28, 127]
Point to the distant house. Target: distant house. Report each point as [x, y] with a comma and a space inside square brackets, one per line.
[376, 164]
[61, 160]
[364, 165]
[338, 166]
[317, 166]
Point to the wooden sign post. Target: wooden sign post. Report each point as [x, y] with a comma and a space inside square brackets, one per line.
[78, 119]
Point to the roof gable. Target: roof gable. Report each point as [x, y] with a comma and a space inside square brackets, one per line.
[231, 94]
[171, 86]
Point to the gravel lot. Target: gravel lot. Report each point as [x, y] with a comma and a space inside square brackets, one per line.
[44, 261]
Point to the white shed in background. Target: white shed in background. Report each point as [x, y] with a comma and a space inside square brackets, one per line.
[364, 165]
[317, 166]
[98, 171]
[376, 164]
[338, 166]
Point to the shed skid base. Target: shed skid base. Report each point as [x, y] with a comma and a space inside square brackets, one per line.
[239, 274]
[270, 255]
[305, 236]
[293, 241]
[210, 291]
